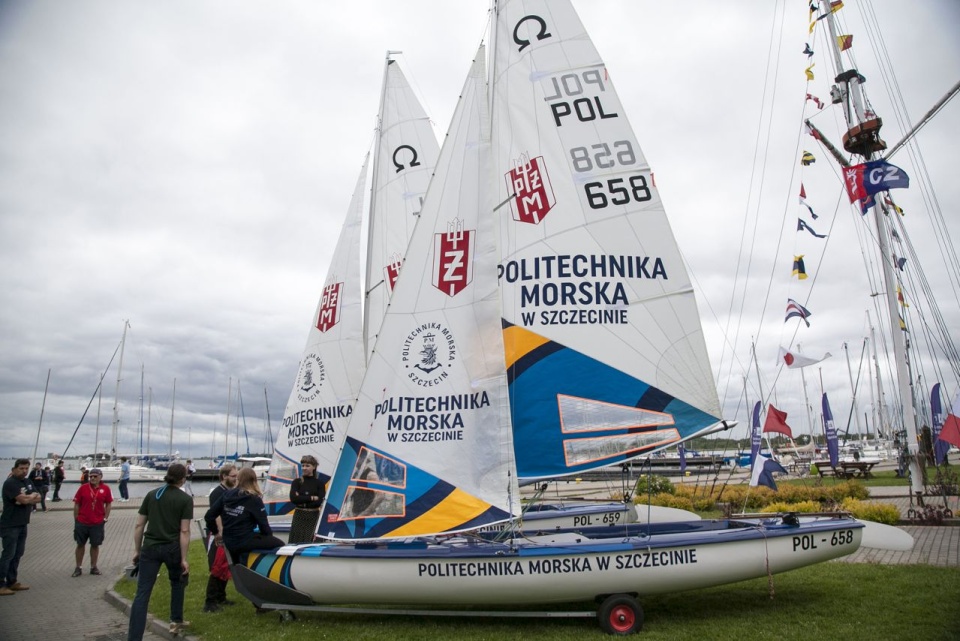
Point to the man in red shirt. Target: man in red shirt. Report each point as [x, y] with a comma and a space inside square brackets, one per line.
[91, 509]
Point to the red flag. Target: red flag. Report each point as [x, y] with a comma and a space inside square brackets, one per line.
[950, 432]
[777, 422]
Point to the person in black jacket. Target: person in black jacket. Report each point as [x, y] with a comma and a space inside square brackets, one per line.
[41, 483]
[217, 588]
[58, 476]
[307, 491]
[306, 494]
[242, 511]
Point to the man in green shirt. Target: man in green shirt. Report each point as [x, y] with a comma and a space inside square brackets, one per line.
[161, 537]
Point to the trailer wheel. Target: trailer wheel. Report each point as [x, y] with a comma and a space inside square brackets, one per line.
[620, 614]
[287, 615]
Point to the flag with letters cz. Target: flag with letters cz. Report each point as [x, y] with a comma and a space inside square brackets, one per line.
[873, 177]
[796, 310]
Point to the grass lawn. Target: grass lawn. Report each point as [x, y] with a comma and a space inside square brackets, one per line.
[883, 478]
[823, 602]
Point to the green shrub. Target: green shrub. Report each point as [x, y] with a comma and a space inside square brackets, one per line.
[665, 499]
[655, 484]
[783, 506]
[869, 511]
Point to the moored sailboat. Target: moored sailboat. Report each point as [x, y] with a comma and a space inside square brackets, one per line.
[534, 306]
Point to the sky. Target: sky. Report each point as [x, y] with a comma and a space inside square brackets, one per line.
[186, 166]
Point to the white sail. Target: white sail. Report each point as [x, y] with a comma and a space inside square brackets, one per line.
[429, 446]
[597, 303]
[331, 368]
[404, 159]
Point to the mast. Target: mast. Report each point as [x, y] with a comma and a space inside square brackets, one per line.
[116, 397]
[226, 428]
[863, 138]
[371, 280]
[43, 405]
[149, 415]
[173, 402]
[266, 404]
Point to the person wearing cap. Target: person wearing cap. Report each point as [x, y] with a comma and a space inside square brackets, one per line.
[91, 510]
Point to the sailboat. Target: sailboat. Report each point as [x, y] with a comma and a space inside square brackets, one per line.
[334, 358]
[542, 305]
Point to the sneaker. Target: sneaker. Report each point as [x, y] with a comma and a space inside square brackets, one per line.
[77, 572]
[212, 607]
[226, 602]
[19, 586]
[95, 571]
[5, 591]
[176, 627]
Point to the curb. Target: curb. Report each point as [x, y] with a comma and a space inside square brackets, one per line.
[154, 625]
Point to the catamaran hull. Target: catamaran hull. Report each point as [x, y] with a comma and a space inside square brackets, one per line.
[555, 568]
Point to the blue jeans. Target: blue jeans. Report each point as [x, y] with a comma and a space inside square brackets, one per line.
[151, 559]
[123, 489]
[14, 543]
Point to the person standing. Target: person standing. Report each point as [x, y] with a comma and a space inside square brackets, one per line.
[19, 497]
[91, 509]
[124, 479]
[84, 474]
[216, 587]
[306, 494]
[58, 476]
[191, 470]
[161, 537]
[41, 483]
[242, 513]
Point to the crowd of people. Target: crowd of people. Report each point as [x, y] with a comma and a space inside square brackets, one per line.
[236, 523]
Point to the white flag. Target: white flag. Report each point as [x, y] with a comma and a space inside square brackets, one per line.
[794, 360]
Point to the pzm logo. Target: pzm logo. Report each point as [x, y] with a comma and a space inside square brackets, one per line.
[532, 193]
[329, 314]
[453, 258]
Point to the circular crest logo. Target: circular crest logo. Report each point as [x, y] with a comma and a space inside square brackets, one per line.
[427, 353]
[310, 378]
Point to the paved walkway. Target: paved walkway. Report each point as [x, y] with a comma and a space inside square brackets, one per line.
[68, 608]
[61, 607]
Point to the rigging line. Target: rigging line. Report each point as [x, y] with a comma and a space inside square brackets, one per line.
[772, 63]
[92, 396]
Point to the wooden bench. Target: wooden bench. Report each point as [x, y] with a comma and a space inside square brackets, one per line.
[844, 469]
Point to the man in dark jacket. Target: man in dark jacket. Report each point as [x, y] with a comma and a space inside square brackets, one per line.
[58, 477]
[217, 588]
[19, 498]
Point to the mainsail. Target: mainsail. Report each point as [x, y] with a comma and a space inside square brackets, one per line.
[429, 447]
[331, 369]
[405, 156]
[334, 359]
[605, 353]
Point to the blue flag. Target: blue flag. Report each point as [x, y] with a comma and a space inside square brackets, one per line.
[831, 431]
[940, 448]
[801, 226]
[682, 451]
[763, 471]
[755, 434]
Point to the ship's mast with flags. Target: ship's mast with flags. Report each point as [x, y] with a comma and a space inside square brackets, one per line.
[863, 139]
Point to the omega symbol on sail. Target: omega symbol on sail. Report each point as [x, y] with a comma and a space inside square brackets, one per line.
[532, 193]
[453, 258]
[329, 314]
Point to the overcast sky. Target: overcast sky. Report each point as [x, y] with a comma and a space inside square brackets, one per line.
[186, 165]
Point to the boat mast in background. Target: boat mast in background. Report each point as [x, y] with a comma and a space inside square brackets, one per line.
[116, 397]
[863, 139]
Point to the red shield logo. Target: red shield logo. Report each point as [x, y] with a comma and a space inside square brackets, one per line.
[392, 270]
[532, 193]
[453, 259]
[329, 314]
